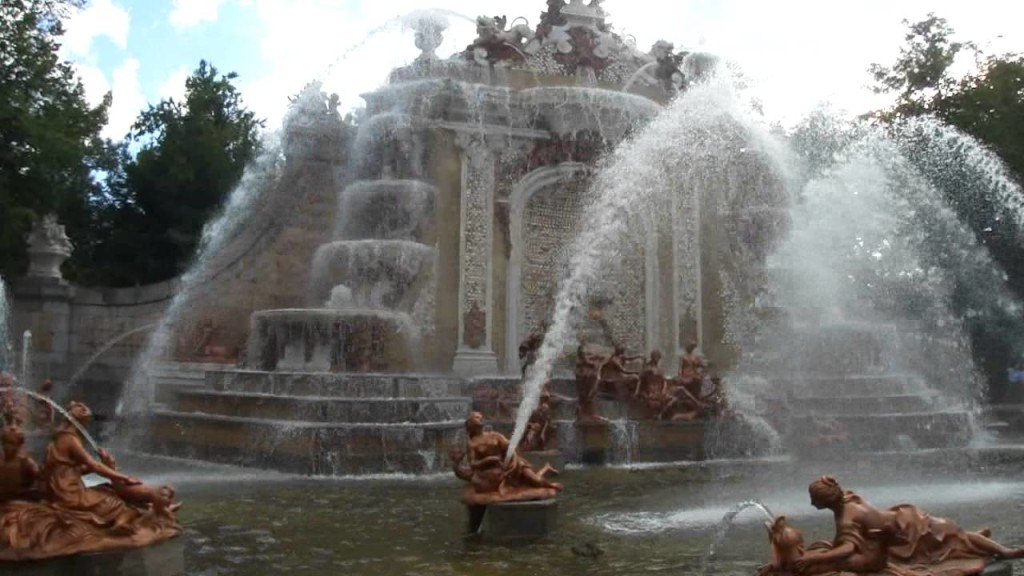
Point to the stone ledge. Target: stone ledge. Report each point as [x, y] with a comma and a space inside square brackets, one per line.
[165, 559]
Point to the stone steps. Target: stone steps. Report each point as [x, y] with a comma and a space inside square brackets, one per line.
[353, 424]
[847, 385]
[168, 377]
[560, 410]
[306, 447]
[338, 385]
[323, 409]
[885, 432]
[863, 405]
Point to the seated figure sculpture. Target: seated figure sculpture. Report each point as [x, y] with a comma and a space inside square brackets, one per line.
[68, 517]
[492, 479]
[617, 380]
[903, 540]
[691, 369]
[540, 426]
[655, 397]
[18, 471]
[588, 367]
[530, 346]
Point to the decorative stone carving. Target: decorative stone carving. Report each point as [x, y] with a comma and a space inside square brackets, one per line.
[429, 35]
[495, 44]
[48, 248]
[474, 331]
[476, 237]
[584, 147]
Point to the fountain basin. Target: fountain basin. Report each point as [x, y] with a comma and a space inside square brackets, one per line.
[347, 385]
[381, 274]
[386, 210]
[302, 447]
[319, 340]
[323, 409]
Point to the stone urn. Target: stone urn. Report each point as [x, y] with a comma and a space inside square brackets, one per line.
[48, 248]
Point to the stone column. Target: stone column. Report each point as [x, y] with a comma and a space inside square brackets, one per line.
[475, 354]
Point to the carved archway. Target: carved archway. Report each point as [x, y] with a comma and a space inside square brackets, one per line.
[536, 257]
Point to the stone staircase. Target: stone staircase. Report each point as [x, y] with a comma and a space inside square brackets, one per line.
[355, 424]
[322, 424]
[868, 413]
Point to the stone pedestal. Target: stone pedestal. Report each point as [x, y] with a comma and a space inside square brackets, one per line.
[470, 362]
[514, 520]
[165, 559]
[593, 439]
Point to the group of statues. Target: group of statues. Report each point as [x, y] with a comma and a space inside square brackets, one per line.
[903, 540]
[609, 375]
[48, 511]
[612, 374]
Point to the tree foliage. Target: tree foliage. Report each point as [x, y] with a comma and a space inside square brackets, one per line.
[49, 134]
[192, 154]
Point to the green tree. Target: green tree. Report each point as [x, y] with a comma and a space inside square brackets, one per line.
[49, 134]
[192, 154]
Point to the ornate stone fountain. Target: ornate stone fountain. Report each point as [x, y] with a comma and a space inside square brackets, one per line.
[465, 186]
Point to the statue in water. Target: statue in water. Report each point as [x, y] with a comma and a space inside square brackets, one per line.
[492, 479]
[48, 511]
[903, 541]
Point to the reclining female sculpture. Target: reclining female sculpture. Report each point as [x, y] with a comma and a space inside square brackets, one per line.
[903, 540]
[61, 516]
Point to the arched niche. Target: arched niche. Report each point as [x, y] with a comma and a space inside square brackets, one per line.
[546, 209]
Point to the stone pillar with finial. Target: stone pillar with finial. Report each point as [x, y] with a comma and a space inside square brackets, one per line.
[42, 298]
[48, 248]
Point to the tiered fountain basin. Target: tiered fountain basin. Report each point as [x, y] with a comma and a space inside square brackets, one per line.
[352, 423]
[380, 273]
[556, 106]
[316, 423]
[386, 209]
[357, 424]
[324, 340]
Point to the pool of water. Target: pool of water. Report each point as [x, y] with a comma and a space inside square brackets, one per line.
[612, 521]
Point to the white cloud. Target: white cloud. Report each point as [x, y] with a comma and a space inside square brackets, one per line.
[94, 81]
[190, 13]
[174, 85]
[128, 99]
[99, 18]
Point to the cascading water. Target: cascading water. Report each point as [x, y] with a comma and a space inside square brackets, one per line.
[693, 140]
[25, 373]
[878, 284]
[723, 527]
[6, 352]
[257, 179]
[858, 300]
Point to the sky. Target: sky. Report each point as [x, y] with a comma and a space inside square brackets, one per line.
[799, 54]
